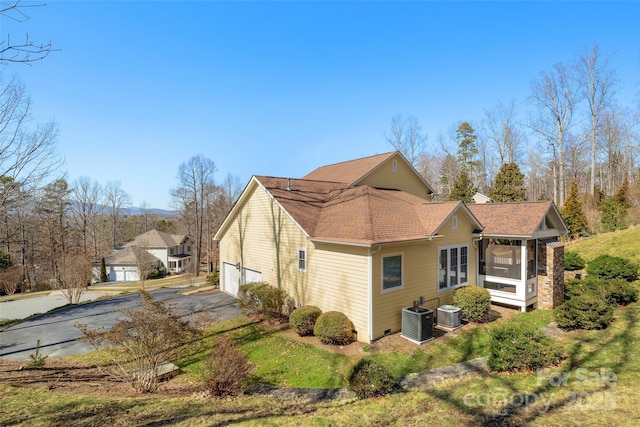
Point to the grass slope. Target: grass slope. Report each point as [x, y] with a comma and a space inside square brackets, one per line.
[622, 243]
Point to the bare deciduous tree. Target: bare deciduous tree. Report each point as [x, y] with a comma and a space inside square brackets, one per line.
[75, 275]
[501, 129]
[85, 212]
[145, 262]
[195, 182]
[24, 51]
[141, 343]
[10, 279]
[116, 200]
[597, 83]
[27, 155]
[405, 135]
[554, 97]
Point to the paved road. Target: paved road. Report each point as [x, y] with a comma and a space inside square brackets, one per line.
[23, 308]
[58, 337]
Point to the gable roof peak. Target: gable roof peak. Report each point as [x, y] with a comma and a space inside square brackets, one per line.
[349, 172]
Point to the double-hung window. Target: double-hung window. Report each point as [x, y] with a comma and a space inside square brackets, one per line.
[392, 272]
[453, 266]
[302, 259]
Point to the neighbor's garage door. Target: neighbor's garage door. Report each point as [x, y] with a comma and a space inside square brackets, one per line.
[232, 280]
[126, 276]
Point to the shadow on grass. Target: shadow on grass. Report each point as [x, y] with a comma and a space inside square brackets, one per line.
[513, 406]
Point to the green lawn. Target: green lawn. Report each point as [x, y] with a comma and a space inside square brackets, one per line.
[622, 243]
[596, 383]
[601, 387]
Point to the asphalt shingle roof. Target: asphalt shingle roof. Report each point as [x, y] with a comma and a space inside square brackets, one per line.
[156, 239]
[348, 172]
[334, 211]
[511, 218]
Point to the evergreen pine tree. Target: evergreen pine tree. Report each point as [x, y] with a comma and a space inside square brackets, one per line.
[614, 214]
[463, 189]
[573, 214]
[103, 272]
[508, 185]
[467, 150]
[622, 195]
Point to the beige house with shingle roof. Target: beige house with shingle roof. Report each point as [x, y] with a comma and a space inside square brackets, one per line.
[362, 237]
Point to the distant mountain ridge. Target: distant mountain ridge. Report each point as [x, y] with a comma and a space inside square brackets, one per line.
[134, 210]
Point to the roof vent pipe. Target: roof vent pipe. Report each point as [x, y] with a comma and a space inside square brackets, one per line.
[288, 184]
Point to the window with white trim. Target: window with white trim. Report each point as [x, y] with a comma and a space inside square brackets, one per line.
[453, 266]
[302, 259]
[392, 277]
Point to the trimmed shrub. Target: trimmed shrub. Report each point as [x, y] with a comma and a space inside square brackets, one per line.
[617, 291]
[303, 319]
[519, 348]
[261, 299]
[369, 378]
[226, 369]
[474, 302]
[574, 288]
[611, 267]
[586, 311]
[573, 261]
[334, 327]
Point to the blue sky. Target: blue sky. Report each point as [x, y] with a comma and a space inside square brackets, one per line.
[279, 88]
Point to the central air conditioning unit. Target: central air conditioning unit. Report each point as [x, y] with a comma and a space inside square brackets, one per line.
[449, 316]
[417, 324]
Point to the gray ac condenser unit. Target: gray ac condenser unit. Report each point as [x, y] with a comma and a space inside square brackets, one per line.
[417, 324]
[449, 316]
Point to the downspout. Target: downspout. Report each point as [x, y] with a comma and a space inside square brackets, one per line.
[370, 291]
[474, 244]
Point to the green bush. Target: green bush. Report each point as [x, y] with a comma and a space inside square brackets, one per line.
[613, 291]
[303, 319]
[261, 299]
[213, 279]
[586, 311]
[474, 302]
[573, 261]
[617, 291]
[519, 348]
[611, 267]
[334, 327]
[369, 378]
[575, 287]
[157, 273]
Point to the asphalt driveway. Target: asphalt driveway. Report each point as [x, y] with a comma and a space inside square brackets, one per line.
[58, 337]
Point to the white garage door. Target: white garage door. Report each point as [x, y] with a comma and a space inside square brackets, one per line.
[232, 280]
[251, 276]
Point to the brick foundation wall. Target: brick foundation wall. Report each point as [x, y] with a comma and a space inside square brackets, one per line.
[551, 286]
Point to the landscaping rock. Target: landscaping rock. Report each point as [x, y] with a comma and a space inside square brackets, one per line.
[312, 395]
[429, 378]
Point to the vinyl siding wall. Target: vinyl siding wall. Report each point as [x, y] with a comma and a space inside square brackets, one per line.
[420, 276]
[404, 178]
[336, 277]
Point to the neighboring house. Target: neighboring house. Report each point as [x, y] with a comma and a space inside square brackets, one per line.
[361, 237]
[171, 251]
[481, 198]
